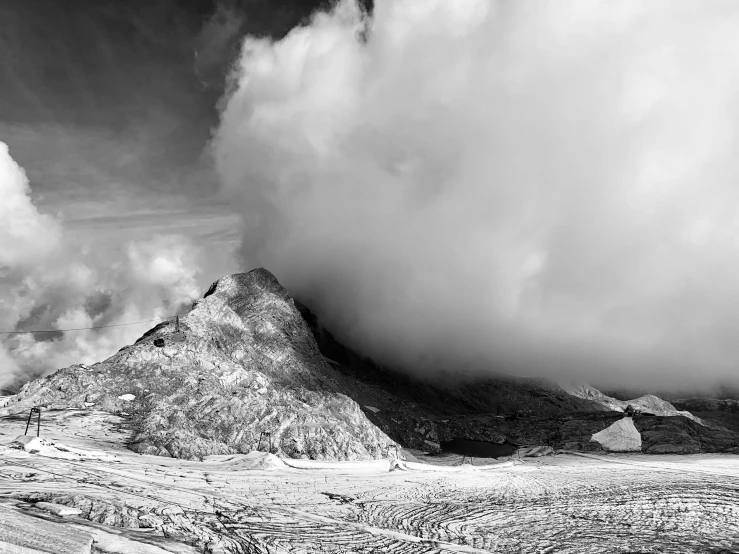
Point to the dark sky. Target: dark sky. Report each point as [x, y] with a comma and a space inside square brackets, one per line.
[109, 105]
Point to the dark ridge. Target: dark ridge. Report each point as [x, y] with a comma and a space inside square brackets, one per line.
[153, 330]
[479, 449]
[498, 396]
[211, 290]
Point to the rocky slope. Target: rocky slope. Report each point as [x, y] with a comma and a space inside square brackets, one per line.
[422, 415]
[648, 403]
[714, 411]
[244, 363]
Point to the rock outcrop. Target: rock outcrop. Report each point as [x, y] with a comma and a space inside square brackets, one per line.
[715, 412]
[648, 403]
[245, 363]
[621, 436]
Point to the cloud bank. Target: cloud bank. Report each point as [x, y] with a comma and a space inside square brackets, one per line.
[540, 188]
[50, 283]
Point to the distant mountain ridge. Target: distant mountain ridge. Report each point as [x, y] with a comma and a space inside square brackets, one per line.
[421, 415]
[647, 403]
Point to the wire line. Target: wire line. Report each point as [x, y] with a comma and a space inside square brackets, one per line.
[85, 328]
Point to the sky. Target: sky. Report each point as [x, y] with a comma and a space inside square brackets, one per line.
[458, 188]
[110, 210]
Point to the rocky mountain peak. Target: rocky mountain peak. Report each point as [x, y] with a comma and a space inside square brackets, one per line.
[242, 366]
[245, 290]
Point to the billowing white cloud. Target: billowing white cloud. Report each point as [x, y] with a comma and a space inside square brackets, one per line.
[25, 234]
[165, 264]
[50, 283]
[546, 188]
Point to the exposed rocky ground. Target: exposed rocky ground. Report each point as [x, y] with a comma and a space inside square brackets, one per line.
[647, 403]
[716, 412]
[422, 415]
[245, 363]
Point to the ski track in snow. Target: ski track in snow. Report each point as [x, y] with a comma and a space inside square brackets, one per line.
[568, 503]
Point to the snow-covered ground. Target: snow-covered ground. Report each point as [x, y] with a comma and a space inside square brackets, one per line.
[259, 503]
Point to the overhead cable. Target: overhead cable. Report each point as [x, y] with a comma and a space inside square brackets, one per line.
[84, 328]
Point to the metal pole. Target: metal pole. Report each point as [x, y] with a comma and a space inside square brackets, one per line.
[28, 422]
[38, 429]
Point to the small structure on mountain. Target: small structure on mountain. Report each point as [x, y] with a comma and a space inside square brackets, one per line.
[177, 336]
[267, 436]
[622, 436]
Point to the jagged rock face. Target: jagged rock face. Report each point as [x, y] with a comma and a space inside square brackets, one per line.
[248, 364]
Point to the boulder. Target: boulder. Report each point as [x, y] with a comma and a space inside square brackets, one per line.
[621, 436]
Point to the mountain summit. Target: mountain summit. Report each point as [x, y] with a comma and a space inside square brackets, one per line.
[243, 368]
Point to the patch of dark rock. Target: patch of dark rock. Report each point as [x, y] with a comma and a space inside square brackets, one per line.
[478, 449]
[680, 435]
[211, 290]
[341, 498]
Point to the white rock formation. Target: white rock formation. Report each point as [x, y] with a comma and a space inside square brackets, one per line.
[647, 403]
[622, 436]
